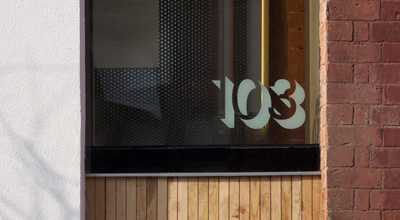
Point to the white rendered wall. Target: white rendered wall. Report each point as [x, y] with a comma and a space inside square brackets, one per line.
[40, 110]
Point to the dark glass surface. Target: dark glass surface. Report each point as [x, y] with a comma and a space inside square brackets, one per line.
[192, 73]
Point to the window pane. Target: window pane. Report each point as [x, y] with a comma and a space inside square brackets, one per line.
[203, 72]
[125, 33]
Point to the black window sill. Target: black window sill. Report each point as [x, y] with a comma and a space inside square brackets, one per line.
[202, 159]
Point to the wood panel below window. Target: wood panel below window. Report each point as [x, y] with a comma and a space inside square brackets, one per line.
[204, 198]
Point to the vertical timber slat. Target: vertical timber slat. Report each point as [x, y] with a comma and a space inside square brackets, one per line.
[90, 198]
[193, 198]
[265, 193]
[151, 198]
[120, 198]
[296, 197]
[276, 198]
[213, 198]
[244, 200]
[306, 195]
[182, 198]
[141, 198]
[100, 203]
[131, 198]
[234, 195]
[162, 198]
[110, 198]
[317, 214]
[223, 199]
[255, 198]
[172, 198]
[203, 198]
[286, 198]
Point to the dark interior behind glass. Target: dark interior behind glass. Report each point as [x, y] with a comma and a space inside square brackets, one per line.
[155, 63]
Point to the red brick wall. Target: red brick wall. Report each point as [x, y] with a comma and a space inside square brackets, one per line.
[360, 109]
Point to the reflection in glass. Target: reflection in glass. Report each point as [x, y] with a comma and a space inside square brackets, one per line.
[202, 72]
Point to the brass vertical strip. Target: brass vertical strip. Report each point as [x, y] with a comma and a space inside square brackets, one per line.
[265, 42]
[265, 51]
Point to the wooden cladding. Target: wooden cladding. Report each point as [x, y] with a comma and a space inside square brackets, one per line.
[204, 198]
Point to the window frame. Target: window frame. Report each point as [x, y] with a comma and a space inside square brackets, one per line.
[216, 160]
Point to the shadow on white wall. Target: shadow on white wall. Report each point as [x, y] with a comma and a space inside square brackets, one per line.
[40, 144]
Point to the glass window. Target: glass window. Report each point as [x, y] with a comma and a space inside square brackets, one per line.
[202, 73]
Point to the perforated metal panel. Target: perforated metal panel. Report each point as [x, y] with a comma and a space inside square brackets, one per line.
[239, 136]
[127, 107]
[169, 105]
[185, 59]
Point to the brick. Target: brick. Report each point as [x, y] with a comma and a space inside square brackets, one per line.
[354, 135]
[323, 47]
[323, 179]
[354, 52]
[353, 93]
[384, 115]
[361, 72]
[340, 157]
[324, 214]
[340, 199]
[353, 215]
[296, 58]
[361, 114]
[385, 31]
[353, 10]
[385, 73]
[390, 52]
[391, 137]
[323, 116]
[296, 46]
[385, 199]
[324, 201]
[296, 32]
[323, 11]
[361, 31]
[323, 73]
[387, 157]
[354, 178]
[296, 6]
[339, 114]
[390, 11]
[340, 31]
[391, 179]
[296, 19]
[323, 162]
[361, 198]
[391, 215]
[361, 157]
[339, 72]
[323, 136]
[392, 95]
[323, 94]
